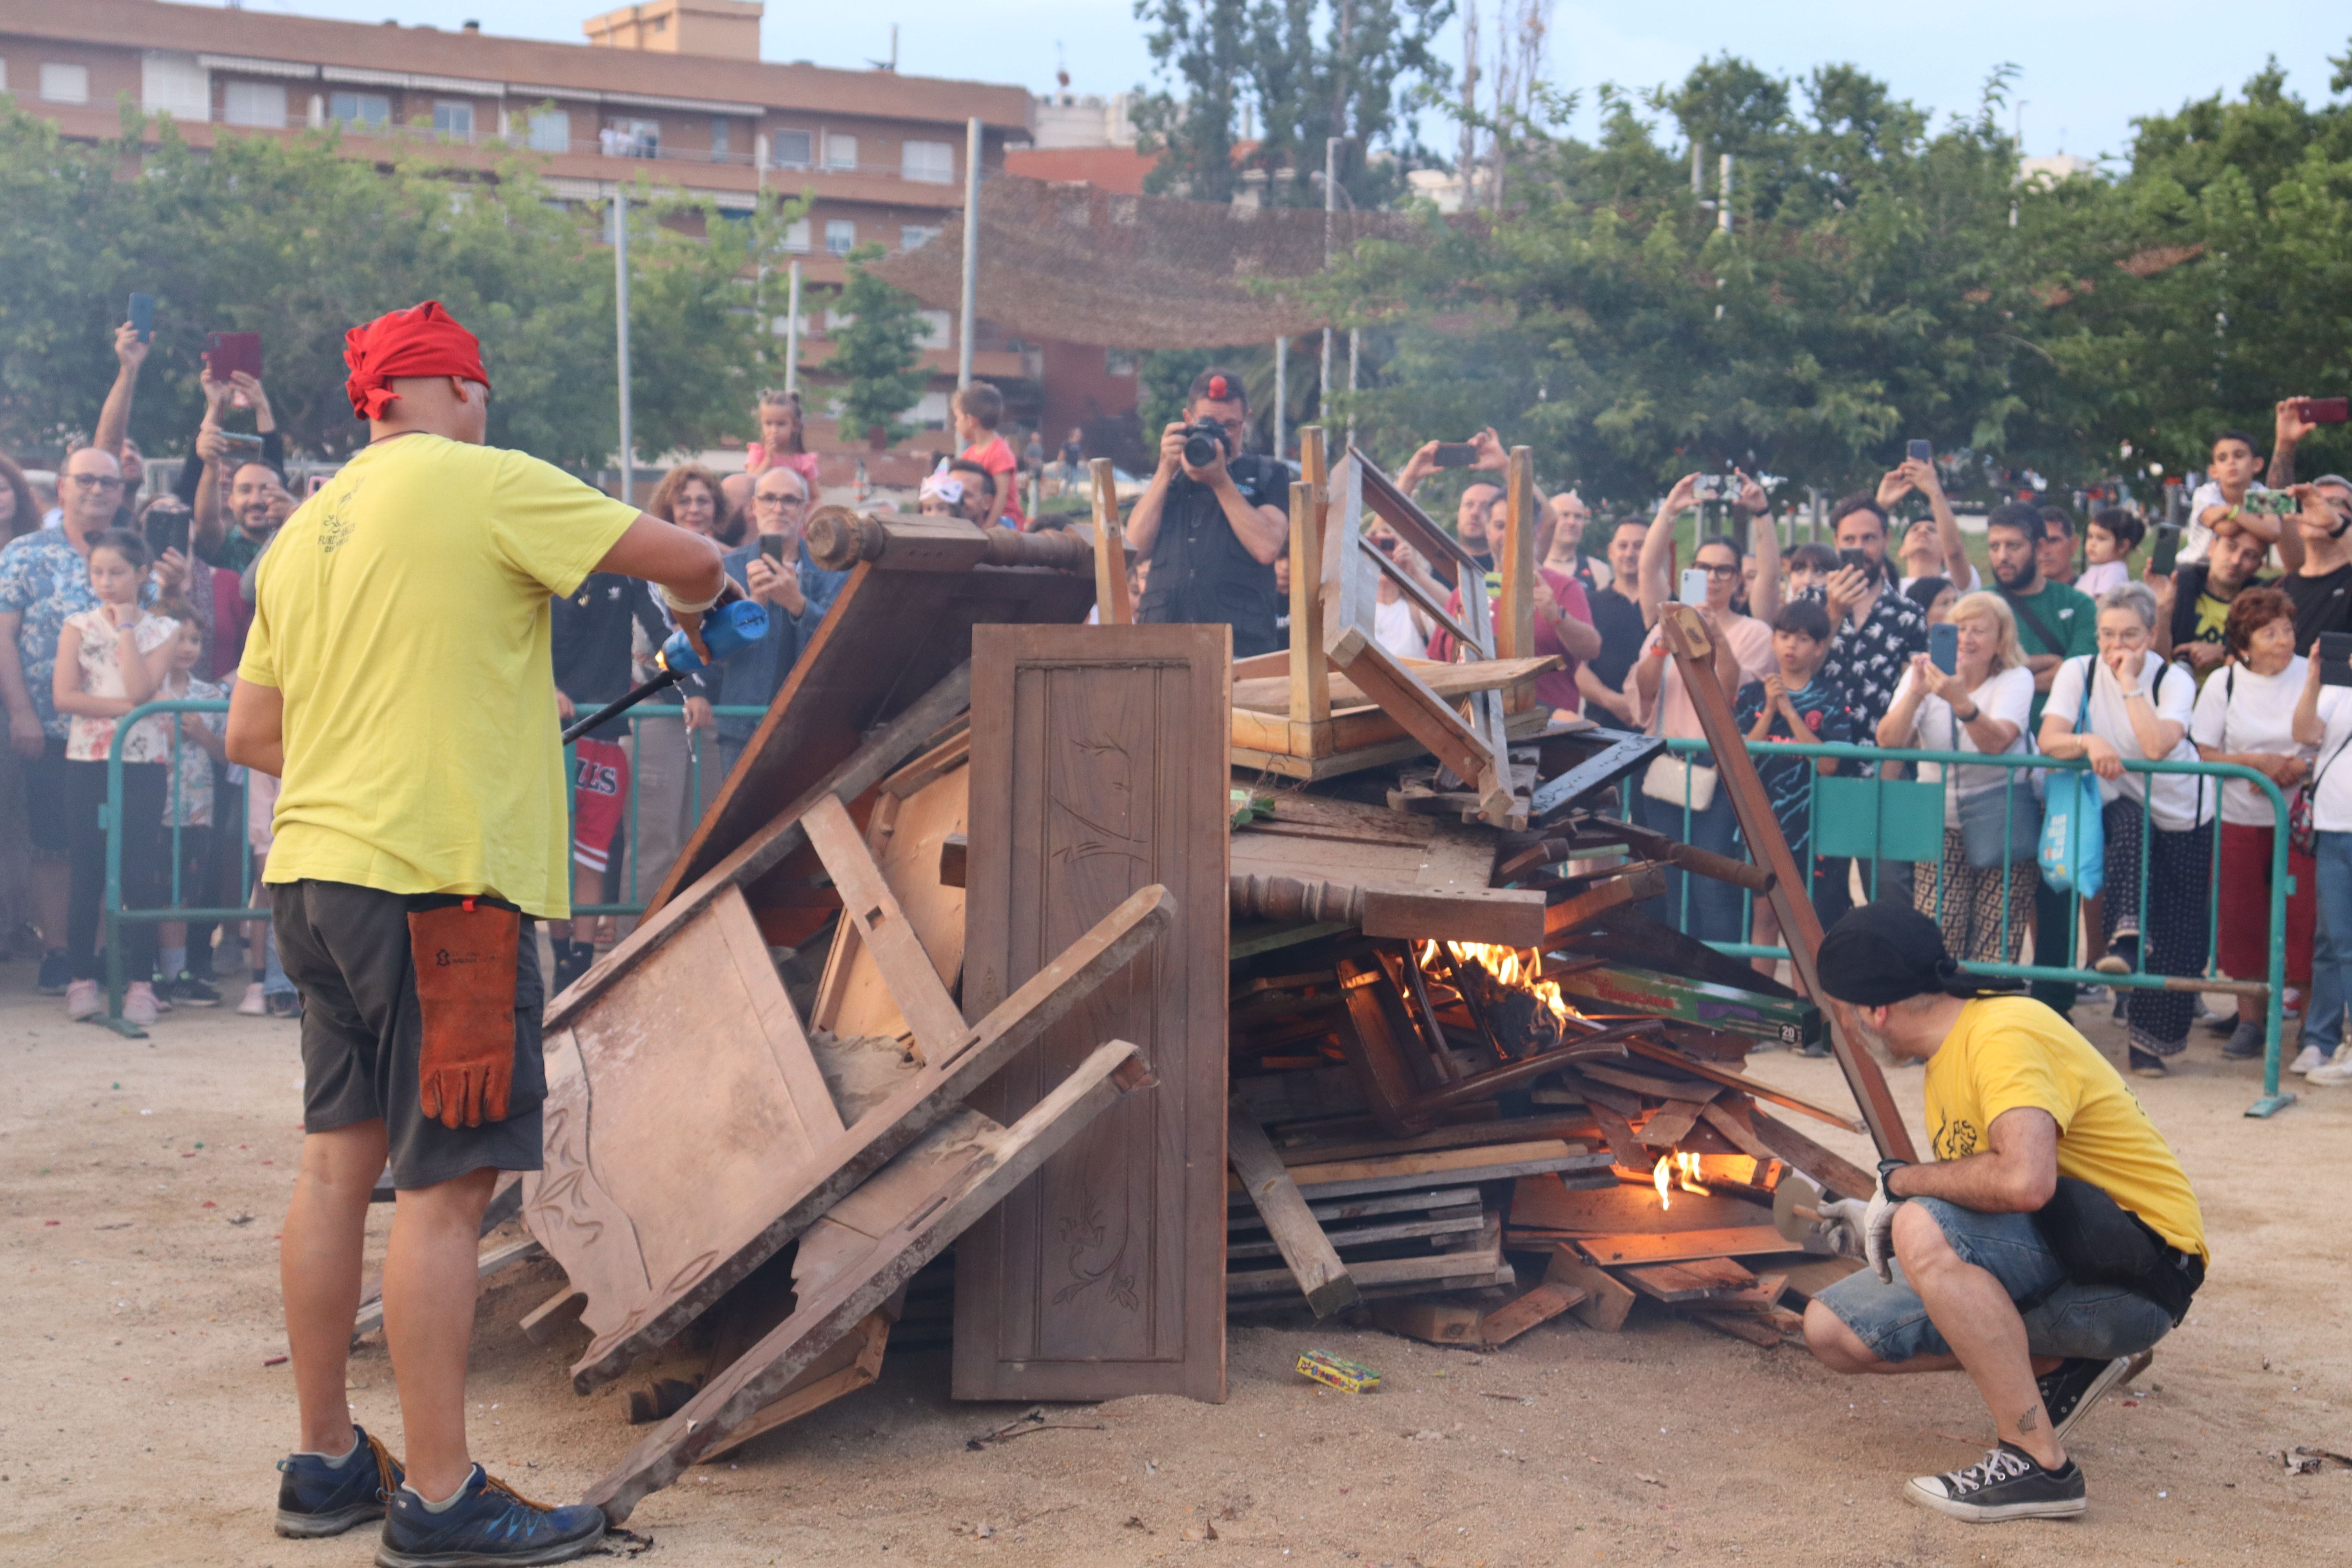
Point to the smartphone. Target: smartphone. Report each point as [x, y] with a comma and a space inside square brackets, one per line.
[1694, 584]
[225, 354]
[2165, 554]
[1922, 451]
[142, 317]
[1944, 647]
[316, 483]
[2271, 503]
[240, 442]
[1710, 487]
[167, 529]
[1454, 455]
[2312, 410]
[772, 545]
[1861, 561]
[2336, 658]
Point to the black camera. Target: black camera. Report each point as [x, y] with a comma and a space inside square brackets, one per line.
[1204, 443]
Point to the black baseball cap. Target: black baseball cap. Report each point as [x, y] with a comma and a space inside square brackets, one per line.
[1879, 954]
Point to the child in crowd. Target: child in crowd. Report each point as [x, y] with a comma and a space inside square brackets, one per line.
[2229, 479]
[1807, 570]
[978, 409]
[941, 495]
[1795, 702]
[2107, 544]
[1934, 596]
[189, 809]
[109, 660]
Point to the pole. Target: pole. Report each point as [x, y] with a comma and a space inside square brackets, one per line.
[1355, 351]
[1281, 393]
[1330, 212]
[792, 332]
[621, 328]
[970, 251]
[1723, 194]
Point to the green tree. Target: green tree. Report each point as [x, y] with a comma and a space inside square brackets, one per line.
[878, 353]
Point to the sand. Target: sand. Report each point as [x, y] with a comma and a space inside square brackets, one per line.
[142, 1184]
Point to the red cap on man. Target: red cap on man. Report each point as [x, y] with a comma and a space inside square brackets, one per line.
[423, 339]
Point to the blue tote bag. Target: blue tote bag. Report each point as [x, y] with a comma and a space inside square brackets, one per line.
[2074, 831]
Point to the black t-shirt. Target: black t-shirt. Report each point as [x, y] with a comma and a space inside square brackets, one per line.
[590, 634]
[1618, 619]
[2322, 604]
[1200, 573]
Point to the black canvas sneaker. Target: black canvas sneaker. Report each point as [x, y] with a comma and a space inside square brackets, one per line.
[2070, 1389]
[2007, 1484]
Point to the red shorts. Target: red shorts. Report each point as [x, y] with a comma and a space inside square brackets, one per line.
[2244, 911]
[600, 793]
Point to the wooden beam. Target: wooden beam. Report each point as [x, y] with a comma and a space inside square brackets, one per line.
[839, 538]
[1426, 718]
[1514, 622]
[1834, 1172]
[1606, 1302]
[1739, 1080]
[1445, 554]
[1679, 1245]
[1637, 886]
[1692, 647]
[868, 904]
[1110, 548]
[1310, 673]
[1312, 1260]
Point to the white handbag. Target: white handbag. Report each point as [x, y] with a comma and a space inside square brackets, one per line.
[1676, 780]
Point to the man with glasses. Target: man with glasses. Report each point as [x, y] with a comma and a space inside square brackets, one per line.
[44, 578]
[1212, 532]
[2321, 585]
[775, 567]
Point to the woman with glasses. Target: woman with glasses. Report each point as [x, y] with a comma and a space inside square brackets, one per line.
[2126, 703]
[1678, 795]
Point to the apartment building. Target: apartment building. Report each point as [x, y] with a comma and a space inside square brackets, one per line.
[677, 84]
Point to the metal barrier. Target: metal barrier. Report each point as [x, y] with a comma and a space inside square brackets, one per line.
[2282, 884]
[113, 916]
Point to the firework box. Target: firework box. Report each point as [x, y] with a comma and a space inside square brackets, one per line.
[1348, 1376]
[1617, 987]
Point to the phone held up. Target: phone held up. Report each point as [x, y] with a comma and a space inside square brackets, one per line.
[142, 317]
[1454, 455]
[1693, 585]
[2312, 410]
[1944, 647]
[225, 354]
[772, 545]
[2165, 554]
[2335, 653]
[1922, 451]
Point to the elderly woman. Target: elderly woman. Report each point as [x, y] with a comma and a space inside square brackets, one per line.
[2122, 704]
[2245, 715]
[1983, 706]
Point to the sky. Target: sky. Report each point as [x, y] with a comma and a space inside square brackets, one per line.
[2087, 68]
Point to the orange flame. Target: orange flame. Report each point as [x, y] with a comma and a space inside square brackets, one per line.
[1686, 1170]
[1661, 1177]
[1509, 968]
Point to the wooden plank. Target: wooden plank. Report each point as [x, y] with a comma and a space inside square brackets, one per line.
[1270, 695]
[1310, 674]
[1540, 1305]
[1426, 717]
[1612, 763]
[1606, 1302]
[1334, 1210]
[1111, 547]
[1098, 765]
[907, 837]
[1431, 1320]
[1463, 1222]
[1563, 920]
[1445, 554]
[1491, 1163]
[870, 907]
[1321, 1277]
[1739, 1080]
[723, 1188]
[1545, 1203]
[1377, 1041]
[1833, 1173]
[954, 849]
[1644, 1083]
[851, 1365]
[1355, 584]
[1740, 1241]
[1514, 622]
[1486, 1255]
[972, 1164]
[1670, 1123]
[1686, 636]
[1697, 1279]
[1741, 1326]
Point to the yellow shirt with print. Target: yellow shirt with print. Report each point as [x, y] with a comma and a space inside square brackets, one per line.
[2010, 1051]
[404, 612]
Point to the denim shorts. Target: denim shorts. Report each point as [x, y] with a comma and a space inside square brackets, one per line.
[2100, 1321]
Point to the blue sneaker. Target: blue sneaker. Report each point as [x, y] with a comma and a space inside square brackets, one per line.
[324, 1497]
[55, 973]
[488, 1525]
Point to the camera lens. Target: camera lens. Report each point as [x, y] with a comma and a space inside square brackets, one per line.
[1203, 444]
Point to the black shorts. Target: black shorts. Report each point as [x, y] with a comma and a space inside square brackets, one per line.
[48, 801]
[347, 951]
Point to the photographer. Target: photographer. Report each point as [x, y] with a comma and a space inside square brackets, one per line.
[1212, 529]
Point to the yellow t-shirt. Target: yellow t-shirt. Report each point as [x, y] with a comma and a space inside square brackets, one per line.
[404, 614]
[2012, 1051]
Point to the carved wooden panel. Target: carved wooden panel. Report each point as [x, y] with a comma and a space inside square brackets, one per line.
[913, 815]
[1098, 767]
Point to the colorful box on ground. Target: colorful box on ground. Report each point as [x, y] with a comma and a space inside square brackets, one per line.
[1348, 1376]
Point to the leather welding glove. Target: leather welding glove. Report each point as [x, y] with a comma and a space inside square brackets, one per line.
[1878, 1225]
[465, 956]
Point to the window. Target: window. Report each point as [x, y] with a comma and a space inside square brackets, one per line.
[363, 109]
[792, 149]
[1119, 363]
[834, 320]
[254, 103]
[937, 333]
[176, 84]
[840, 152]
[453, 118]
[840, 235]
[797, 234]
[721, 133]
[933, 162]
[64, 84]
[640, 138]
[915, 236]
[551, 131]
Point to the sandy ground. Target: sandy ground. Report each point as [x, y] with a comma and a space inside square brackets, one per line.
[142, 1184]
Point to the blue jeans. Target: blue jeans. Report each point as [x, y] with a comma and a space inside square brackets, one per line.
[1715, 906]
[2331, 955]
[2101, 1321]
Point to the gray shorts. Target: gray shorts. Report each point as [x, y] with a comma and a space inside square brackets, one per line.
[347, 951]
[2100, 1321]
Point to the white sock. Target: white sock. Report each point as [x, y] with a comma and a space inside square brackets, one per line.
[176, 959]
[335, 1461]
[447, 1504]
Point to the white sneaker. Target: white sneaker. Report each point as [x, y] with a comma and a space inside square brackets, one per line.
[139, 1004]
[2306, 1059]
[2333, 1073]
[84, 1000]
[255, 1005]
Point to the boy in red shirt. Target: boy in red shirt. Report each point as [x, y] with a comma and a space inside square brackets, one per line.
[978, 408]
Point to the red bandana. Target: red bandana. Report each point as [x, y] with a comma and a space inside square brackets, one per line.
[423, 339]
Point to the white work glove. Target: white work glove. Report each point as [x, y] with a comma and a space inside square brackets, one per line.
[1878, 1225]
[1842, 1226]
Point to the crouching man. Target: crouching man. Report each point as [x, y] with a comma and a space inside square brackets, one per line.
[2052, 1241]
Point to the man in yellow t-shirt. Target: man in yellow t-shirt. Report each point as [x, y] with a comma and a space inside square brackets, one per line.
[397, 679]
[2002, 1257]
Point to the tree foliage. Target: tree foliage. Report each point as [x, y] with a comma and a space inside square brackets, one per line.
[878, 352]
[297, 241]
[1304, 71]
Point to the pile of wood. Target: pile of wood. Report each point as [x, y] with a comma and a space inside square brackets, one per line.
[1153, 986]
